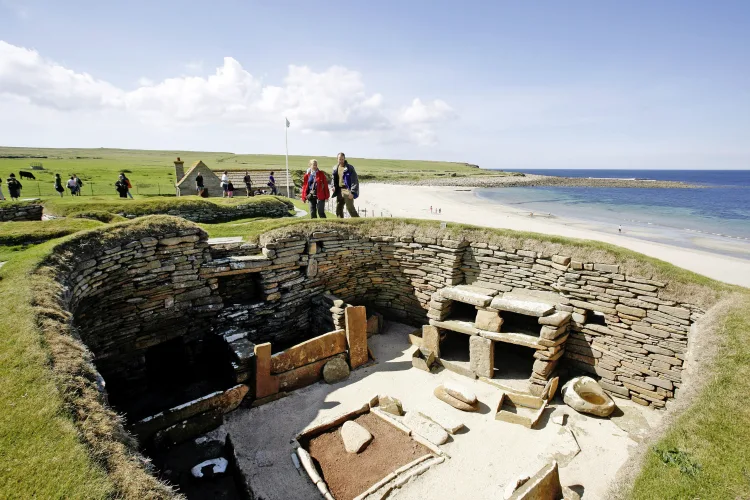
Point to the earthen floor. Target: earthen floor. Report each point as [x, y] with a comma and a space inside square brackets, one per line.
[484, 456]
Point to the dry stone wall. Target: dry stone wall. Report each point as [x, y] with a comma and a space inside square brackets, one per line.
[146, 291]
[20, 212]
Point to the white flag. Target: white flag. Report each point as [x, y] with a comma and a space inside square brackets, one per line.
[287, 122]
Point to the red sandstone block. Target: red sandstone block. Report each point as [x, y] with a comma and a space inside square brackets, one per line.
[356, 335]
[265, 383]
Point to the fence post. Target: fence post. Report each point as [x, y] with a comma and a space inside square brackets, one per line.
[158, 186]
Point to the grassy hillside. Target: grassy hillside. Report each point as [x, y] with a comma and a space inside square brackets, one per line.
[152, 172]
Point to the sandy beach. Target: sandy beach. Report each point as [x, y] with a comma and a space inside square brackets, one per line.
[459, 204]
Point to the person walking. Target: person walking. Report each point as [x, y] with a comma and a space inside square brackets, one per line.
[315, 190]
[128, 184]
[199, 184]
[248, 184]
[2, 196]
[224, 183]
[619, 228]
[79, 184]
[272, 183]
[122, 187]
[58, 185]
[14, 187]
[230, 189]
[72, 186]
[345, 187]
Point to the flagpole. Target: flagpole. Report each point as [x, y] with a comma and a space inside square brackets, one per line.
[286, 144]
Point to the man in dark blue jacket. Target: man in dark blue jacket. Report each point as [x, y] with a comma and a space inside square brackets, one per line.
[345, 187]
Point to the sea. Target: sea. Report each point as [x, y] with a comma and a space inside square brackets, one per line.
[713, 217]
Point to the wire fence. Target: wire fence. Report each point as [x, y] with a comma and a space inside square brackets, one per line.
[47, 189]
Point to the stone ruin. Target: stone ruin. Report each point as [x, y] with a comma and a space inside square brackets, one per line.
[183, 329]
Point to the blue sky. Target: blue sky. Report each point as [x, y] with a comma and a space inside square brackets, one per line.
[504, 84]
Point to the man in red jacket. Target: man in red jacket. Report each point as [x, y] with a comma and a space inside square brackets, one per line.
[315, 190]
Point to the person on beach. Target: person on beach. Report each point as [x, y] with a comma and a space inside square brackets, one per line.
[199, 185]
[224, 184]
[345, 187]
[248, 184]
[315, 190]
[58, 185]
[2, 196]
[14, 187]
[230, 189]
[619, 228]
[121, 187]
[79, 184]
[272, 183]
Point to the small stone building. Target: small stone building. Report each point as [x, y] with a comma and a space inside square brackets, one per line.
[185, 185]
[186, 180]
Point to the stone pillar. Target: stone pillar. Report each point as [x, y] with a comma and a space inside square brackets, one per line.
[265, 383]
[356, 335]
[431, 339]
[488, 320]
[482, 356]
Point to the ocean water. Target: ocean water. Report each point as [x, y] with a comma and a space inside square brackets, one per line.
[715, 216]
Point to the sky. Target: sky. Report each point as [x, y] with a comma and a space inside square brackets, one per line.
[582, 84]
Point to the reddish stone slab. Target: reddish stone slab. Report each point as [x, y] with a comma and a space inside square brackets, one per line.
[355, 318]
[310, 351]
[265, 383]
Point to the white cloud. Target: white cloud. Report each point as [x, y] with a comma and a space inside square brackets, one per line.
[334, 100]
[420, 117]
[428, 112]
[25, 74]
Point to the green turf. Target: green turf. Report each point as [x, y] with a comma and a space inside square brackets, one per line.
[152, 172]
[151, 205]
[18, 233]
[41, 455]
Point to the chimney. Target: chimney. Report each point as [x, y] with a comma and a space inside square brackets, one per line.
[179, 170]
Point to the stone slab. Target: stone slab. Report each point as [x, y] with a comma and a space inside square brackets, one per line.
[355, 437]
[315, 349]
[488, 320]
[555, 319]
[265, 383]
[443, 396]
[355, 318]
[481, 356]
[467, 296]
[529, 308]
[426, 428]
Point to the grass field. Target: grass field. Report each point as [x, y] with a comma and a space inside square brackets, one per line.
[152, 172]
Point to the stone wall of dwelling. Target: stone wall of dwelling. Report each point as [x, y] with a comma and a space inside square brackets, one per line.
[211, 213]
[10, 211]
[148, 290]
[621, 330]
[138, 294]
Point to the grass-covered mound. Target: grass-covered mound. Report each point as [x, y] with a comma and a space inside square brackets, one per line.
[26, 233]
[99, 215]
[225, 208]
[65, 443]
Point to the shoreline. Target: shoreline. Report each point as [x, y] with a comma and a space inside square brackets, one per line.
[463, 206]
[536, 180]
